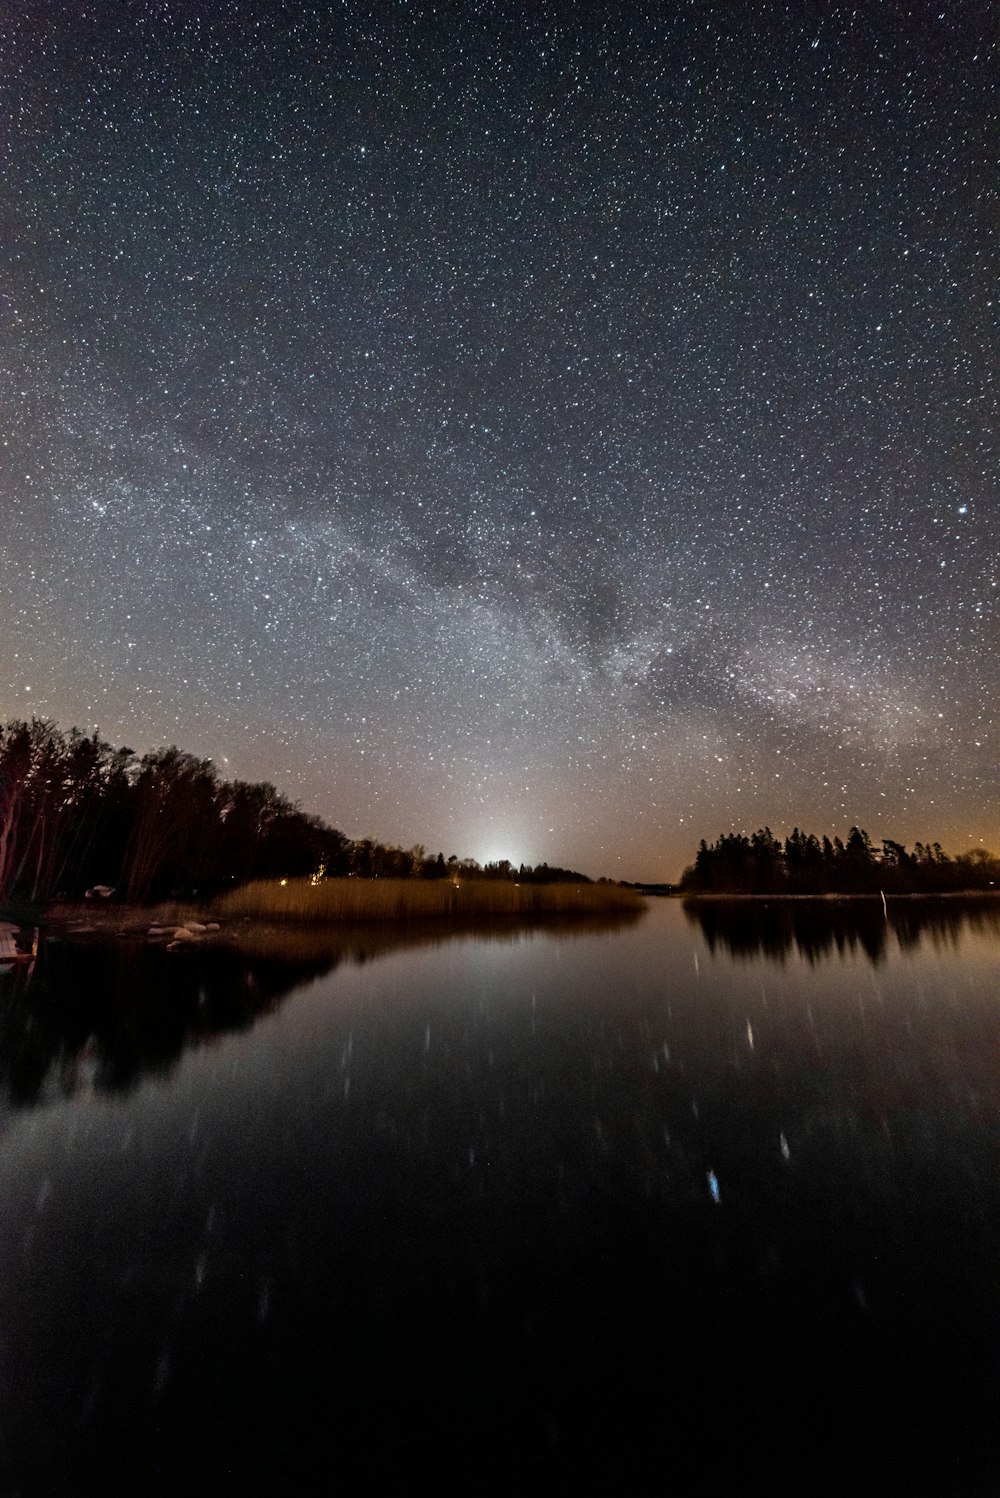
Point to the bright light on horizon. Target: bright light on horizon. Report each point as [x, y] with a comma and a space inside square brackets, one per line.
[495, 853]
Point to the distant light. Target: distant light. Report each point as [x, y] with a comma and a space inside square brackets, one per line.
[282, 881]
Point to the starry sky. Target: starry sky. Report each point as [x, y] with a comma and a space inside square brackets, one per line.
[550, 432]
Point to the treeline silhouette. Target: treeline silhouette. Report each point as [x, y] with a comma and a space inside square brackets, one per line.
[807, 865]
[77, 813]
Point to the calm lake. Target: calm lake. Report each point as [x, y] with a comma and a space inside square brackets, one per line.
[646, 1208]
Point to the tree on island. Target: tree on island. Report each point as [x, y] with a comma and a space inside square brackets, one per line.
[805, 864]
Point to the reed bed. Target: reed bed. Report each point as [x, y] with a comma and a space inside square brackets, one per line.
[342, 900]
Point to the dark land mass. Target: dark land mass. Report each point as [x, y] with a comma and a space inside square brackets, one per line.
[808, 865]
[78, 814]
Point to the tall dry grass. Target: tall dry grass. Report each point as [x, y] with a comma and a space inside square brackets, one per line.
[340, 900]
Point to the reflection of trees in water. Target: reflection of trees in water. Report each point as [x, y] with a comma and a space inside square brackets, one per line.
[818, 929]
[103, 1015]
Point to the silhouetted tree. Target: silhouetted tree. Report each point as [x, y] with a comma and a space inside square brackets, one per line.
[174, 803]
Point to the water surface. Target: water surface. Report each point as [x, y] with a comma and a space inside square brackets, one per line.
[630, 1210]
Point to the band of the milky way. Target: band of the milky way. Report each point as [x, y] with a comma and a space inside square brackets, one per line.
[541, 432]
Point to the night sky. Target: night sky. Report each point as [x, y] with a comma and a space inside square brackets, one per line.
[539, 432]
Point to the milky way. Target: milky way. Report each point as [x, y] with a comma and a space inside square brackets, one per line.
[556, 436]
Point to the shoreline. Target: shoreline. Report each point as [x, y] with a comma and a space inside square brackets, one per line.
[339, 907]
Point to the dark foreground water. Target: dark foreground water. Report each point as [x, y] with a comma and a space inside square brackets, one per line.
[693, 1203]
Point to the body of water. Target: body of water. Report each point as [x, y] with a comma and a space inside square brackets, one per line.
[708, 1197]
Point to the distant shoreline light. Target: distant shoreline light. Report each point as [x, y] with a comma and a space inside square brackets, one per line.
[499, 855]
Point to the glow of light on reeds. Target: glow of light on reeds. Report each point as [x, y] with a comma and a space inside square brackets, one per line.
[339, 900]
